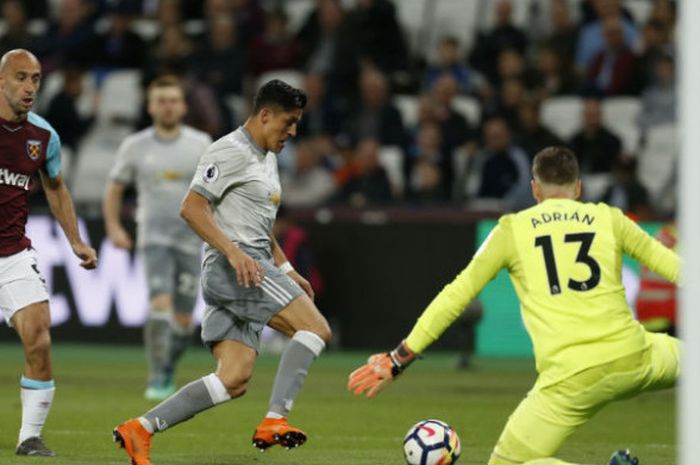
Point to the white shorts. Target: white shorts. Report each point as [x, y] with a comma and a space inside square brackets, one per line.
[21, 284]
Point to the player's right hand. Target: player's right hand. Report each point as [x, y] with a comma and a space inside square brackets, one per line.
[120, 238]
[248, 271]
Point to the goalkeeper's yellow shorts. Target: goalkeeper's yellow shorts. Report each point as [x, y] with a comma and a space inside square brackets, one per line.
[549, 415]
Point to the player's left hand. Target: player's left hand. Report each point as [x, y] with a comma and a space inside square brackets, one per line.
[87, 254]
[372, 376]
[301, 281]
[380, 370]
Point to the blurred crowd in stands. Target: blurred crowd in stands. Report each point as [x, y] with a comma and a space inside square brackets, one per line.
[386, 125]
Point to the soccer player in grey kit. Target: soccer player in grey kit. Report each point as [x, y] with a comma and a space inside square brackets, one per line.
[246, 279]
[161, 160]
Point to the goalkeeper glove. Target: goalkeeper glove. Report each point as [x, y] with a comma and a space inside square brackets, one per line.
[379, 370]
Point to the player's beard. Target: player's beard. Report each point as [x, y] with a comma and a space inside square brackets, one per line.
[20, 110]
[169, 125]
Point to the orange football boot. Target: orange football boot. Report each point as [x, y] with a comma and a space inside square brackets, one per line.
[135, 440]
[273, 431]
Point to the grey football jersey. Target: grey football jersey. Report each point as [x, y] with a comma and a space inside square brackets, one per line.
[242, 184]
[161, 171]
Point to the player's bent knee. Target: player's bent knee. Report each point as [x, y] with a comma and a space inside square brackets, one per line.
[37, 339]
[235, 385]
[183, 320]
[236, 389]
[38, 351]
[161, 303]
[325, 334]
[321, 329]
[312, 340]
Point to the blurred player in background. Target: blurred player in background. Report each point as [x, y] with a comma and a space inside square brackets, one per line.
[656, 300]
[161, 161]
[246, 279]
[30, 146]
[565, 260]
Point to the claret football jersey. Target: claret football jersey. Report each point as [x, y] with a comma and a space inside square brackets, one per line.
[25, 148]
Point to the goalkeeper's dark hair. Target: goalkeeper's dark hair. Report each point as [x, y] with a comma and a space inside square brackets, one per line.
[556, 165]
[278, 94]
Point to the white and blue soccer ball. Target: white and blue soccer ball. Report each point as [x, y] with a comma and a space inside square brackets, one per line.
[431, 442]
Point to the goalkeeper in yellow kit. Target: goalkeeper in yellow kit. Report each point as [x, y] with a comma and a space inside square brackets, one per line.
[565, 260]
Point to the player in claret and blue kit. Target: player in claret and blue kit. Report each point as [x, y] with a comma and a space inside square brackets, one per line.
[30, 146]
[565, 261]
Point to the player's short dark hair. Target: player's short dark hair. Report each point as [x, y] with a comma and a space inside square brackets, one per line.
[450, 40]
[165, 80]
[276, 93]
[556, 165]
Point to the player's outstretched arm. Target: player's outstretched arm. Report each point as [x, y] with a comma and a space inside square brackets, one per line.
[380, 370]
[62, 208]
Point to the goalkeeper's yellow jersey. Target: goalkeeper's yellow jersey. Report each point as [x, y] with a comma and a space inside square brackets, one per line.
[565, 261]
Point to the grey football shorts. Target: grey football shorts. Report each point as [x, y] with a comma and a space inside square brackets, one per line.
[234, 312]
[174, 272]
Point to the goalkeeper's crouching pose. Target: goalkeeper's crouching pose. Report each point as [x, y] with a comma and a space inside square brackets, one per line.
[565, 260]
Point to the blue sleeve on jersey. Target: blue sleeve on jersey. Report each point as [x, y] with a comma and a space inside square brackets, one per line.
[53, 151]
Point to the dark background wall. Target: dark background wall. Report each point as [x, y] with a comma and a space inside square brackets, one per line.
[379, 277]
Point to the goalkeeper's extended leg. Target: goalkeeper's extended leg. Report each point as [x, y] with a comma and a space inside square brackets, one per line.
[548, 461]
[620, 457]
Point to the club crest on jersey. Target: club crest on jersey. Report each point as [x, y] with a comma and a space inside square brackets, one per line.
[211, 173]
[275, 198]
[33, 148]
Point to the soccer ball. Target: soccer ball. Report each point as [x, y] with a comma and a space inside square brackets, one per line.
[431, 442]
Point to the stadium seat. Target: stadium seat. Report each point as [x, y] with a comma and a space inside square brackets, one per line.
[391, 158]
[621, 110]
[408, 107]
[630, 136]
[469, 107]
[292, 77]
[657, 161]
[52, 85]
[297, 12]
[147, 29]
[595, 185]
[620, 115]
[38, 26]
[96, 156]
[238, 106]
[67, 162]
[121, 96]
[562, 115]
[194, 27]
[640, 10]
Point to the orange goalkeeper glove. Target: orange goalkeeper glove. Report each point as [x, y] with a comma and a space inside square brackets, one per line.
[379, 370]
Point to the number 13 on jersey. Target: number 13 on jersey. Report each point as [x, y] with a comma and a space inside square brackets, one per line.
[585, 240]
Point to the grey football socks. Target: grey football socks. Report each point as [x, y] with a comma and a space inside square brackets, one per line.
[301, 351]
[180, 340]
[191, 399]
[158, 341]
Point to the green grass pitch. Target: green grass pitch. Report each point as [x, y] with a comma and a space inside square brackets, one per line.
[99, 386]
